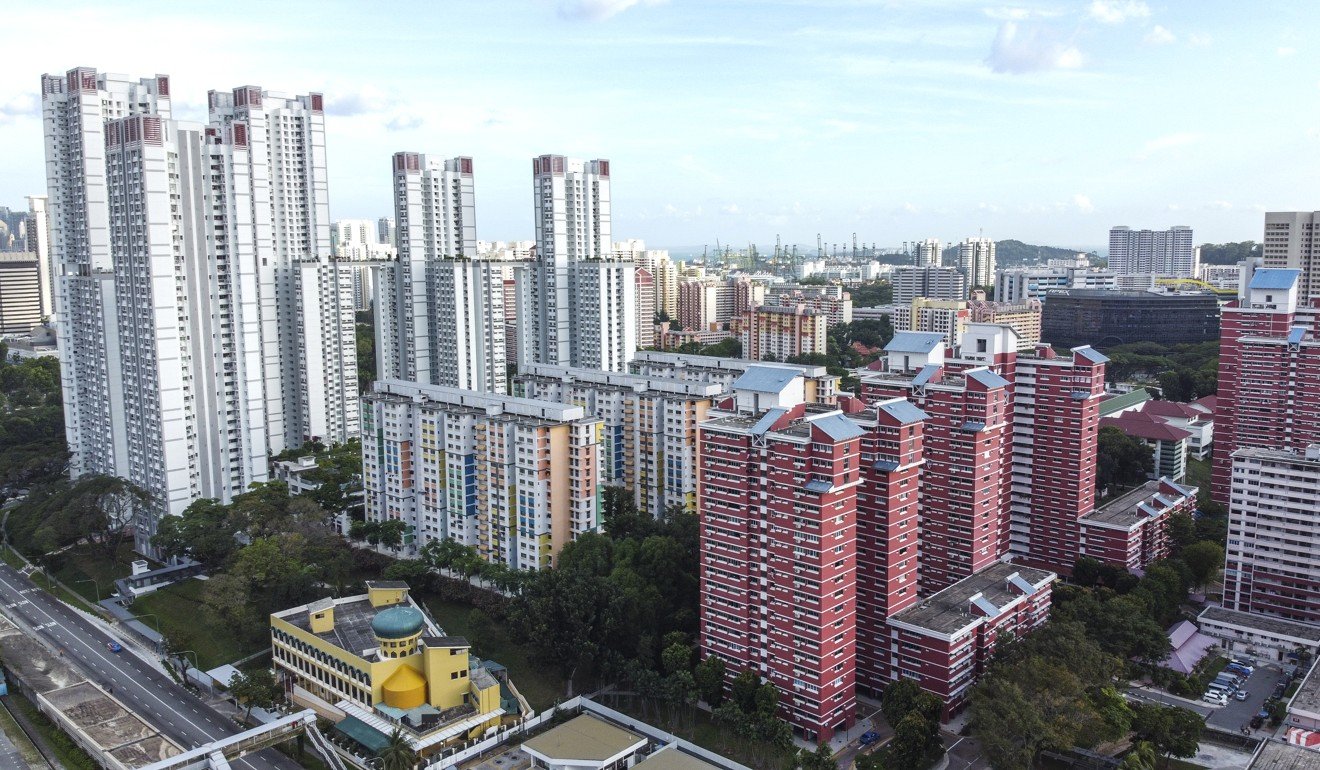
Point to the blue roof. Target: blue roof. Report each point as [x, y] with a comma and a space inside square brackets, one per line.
[838, 427]
[885, 465]
[987, 378]
[902, 410]
[1274, 278]
[973, 426]
[1092, 355]
[1296, 334]
[914, 342]
[926, 374]
[768, 421]
[819, 485]
[765, 379]
[397, 622]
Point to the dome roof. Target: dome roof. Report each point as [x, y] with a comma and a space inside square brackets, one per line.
[398, 622]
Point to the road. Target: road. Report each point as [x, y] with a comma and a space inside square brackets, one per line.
[175, 712]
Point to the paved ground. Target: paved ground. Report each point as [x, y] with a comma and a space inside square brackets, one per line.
[171, 709]
[1238, 714]
[964, 753]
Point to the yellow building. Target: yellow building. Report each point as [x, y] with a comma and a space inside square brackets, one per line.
[376, 661]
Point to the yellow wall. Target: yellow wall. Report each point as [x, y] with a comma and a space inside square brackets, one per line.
[561, 480]
[323, 621]
[441, 664]
[383, 597]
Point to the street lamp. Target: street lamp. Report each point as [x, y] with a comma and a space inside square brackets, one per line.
[95, 584]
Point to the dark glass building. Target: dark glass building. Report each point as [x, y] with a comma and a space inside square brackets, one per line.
[1106, 318]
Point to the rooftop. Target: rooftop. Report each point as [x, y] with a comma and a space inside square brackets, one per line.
[1282, 756]
[765, 379]
[1274, 278]
[584, 738]
[1124, 510]
[352, 631]
[1175, 409]
[1144, 425]
[914, 342]
[1123, 401]
[1307, 697]
[672, 758]
[1270, 625]
[946, 612]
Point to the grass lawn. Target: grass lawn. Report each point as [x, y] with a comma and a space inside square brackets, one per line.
[16, 736]
[91, 572]
[1198, 473]
[181, 616]
[541, 686]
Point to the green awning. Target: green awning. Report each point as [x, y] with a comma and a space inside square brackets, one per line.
[370, 738]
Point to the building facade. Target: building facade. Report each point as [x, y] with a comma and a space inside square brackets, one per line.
[20, 291]
[777, 332]
[577, 301]
[37, 240]
[1269, 373]
[976, 261]
[649, 430]
[1291, 243]
[932, 282]
[832, 301]
[515, 478]
[185, 256]
[1162, 252]
[1273, 562]
[1107, 318]
[821, 387]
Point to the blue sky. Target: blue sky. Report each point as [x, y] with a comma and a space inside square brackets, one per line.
[901, 119]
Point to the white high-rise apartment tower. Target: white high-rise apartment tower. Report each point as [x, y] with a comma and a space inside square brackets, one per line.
[929, 253]
[976, 261]
[1292, 240]
[439, 311]
[38, 242]
[191, 272]
[1161, 252]
[577, 301]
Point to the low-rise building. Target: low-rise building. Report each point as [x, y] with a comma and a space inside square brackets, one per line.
[1168, 443]
[945, 640]
[376, 662]
[1260, 637]
[1022, 317]
[833, 301]
[819, 385]
[1131, 530]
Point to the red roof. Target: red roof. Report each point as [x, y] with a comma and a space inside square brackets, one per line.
[1172, 409]
[1207, 402]
[1145, 426]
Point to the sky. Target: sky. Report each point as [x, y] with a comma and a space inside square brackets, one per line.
[897, 120]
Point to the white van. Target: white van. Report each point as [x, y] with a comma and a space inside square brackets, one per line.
[1217, 698]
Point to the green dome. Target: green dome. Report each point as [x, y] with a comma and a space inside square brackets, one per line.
[397, 622]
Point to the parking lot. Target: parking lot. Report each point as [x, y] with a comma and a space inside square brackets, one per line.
[1237, 714]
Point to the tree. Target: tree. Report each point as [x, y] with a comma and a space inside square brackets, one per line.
[1204, 560]
[397, 754]
[1173, 731]
[916, 740]
[676, 657]
[481, 626]
[257, 689]
[1142, 757]
[709, 675]
[898, 699]
[1121, 460]
[820, 759]
[1181, 531]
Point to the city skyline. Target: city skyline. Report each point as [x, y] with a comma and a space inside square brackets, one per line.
[742, 122]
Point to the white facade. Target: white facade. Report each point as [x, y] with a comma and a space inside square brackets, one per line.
[1291, 242]
[37, 239]
[356, 248]
[933, 282]
[20, 291]
[976, 261]
[440, 312]
[1163, 252]
[929, 253]
[180, 253]
[577, 300]
[1020, 284]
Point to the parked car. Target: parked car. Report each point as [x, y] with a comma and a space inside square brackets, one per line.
[1217, 698]
[1243, 671]
[1241, 695]
[1257, 721]
[869, 737]
[114, 646]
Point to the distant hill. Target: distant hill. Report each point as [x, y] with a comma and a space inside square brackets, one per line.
[1228, 253]
[1013, 253]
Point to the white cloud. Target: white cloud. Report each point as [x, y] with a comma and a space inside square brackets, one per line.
[598, 10]
[1117, 11]
[18, 106]
[1199, 39]
[1019, 48]
[1083, 203]
[1158, 35]
[1219, 206]
[1286, 50]
[1018, 13]
[730, 208]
